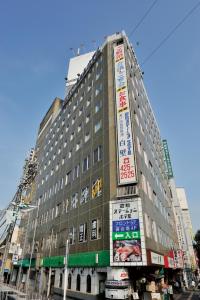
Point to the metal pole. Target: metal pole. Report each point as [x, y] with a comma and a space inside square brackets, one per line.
[49, 279]
[32, 249]
[66, 270]
[23, 250]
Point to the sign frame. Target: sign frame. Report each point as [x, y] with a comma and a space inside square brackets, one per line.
[139, 242]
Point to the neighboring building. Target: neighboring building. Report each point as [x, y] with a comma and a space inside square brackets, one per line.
[101, 181]
[185, 258]
[189, 255]
[13, 222]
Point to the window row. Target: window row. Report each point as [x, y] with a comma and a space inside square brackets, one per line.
[74, 174]
[70, 138]
[155, 232]
[71, 202]
[65, 126]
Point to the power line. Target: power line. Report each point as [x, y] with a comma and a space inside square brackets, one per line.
[143, 17]
[171, 32]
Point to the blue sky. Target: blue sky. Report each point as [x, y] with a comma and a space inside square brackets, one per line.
[35, 37]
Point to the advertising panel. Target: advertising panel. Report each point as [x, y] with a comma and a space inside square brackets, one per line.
[126, 158]
[126, 233]
[156, 259]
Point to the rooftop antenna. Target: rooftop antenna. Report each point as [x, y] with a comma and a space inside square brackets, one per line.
[79, 49]
[72, 49]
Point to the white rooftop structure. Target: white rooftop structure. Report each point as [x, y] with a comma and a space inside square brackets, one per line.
[76, 66]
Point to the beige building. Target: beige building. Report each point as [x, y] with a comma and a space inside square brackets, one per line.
[101, 182]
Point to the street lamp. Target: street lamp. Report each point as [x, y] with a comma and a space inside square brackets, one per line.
[66, 266]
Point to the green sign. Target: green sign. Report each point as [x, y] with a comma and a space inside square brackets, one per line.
[128, 235]
[167, 160]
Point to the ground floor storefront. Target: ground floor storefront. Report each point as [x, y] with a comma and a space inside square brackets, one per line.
[89, 276]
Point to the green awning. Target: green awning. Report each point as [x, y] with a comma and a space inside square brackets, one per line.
[26, 262]
[83, 259]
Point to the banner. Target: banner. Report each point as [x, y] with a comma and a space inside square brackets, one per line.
[126, 159]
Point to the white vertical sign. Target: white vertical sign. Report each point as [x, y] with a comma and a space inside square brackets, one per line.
[126, 159]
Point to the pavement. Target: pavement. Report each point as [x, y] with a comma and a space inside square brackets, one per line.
[190, 295]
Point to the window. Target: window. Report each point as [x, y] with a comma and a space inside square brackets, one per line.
[75, 105]
[76, 172]
[87, 136]
[86, 163]
[61, 183]
[72, 136]
[98, 75]
[78, 145]
[83, 233]
[72, 235]
[79, 127]
[70, 154]
[95, 229]
[67, 128]
[97, 126]
[98, 89]
[97, 106]
[87, 118]
[80, 111]
[69, 281]
[68, 177]
[88, 102]
[57, 210]
[78, 282]
[73, 120]
[59, 150]
[97, 154]
[89, 87]
[88, 289]
[74, 200]
[84, 195]
[63, 161]
[57, 166]
[60, 280]
[154, 231]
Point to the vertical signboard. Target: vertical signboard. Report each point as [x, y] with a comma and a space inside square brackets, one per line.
[126, 158]
[167, 159]
[127, 244]
[94, 229]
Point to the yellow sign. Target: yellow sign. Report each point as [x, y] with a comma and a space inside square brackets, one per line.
[97, 188]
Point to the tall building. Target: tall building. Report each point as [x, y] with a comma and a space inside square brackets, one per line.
[187, 225]
[184, 257]
[101, 182]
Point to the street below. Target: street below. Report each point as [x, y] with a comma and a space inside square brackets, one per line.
[188, 296]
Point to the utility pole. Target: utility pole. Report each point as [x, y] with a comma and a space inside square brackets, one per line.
[66, 269]
[49, 279]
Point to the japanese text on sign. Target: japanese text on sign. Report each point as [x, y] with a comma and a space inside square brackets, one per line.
[126, 159]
